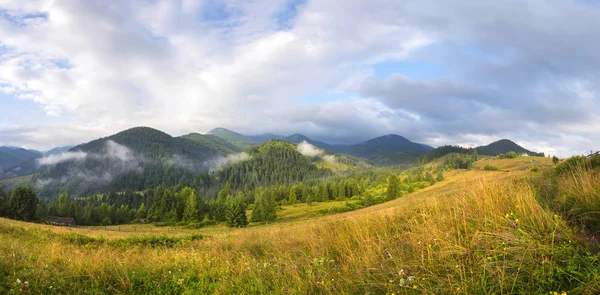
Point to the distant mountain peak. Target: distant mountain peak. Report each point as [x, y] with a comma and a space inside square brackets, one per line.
[240, 141]
[504, 146]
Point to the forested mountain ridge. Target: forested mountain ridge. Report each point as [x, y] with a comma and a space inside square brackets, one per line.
[240, 141]
[270, 163]
[388, 150]
[13, 156]
[500, 147]
[215, 142]
[135, 159]
[16, 161]
[504, 146]
[58, 150]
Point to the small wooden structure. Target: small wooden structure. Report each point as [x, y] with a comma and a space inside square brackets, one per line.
[60, 221]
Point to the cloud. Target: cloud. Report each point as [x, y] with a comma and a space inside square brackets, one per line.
[114, 159]
[221, 161]
[437, 72]
[52, 160]
[312, 151]
[309, 150]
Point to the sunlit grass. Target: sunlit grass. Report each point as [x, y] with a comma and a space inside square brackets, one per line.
[473, 233]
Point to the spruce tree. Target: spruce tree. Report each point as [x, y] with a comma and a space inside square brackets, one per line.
[23, 203]
[393, 189]
[191, 211]
[235, 213]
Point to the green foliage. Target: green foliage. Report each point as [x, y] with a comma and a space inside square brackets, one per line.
[512, 155]
[578, 163]
[389, 150]
[555, 160]
[489, 167]
[393, 188]
[440, 176]
[192, 210]
[3, 202]
[235, 212]
[214, 142]
[22, 203]
[241, 142]
[460, 161]
[504, 146]
[265, 207]
[442, 151]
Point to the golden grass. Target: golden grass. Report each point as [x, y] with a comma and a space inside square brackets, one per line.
[474, 233]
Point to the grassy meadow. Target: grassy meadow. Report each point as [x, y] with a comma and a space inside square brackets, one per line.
[477, 232]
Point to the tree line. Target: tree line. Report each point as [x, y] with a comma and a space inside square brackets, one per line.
[192, 207]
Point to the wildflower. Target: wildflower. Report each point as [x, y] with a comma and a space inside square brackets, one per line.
[414, 286]
[593, 238]
[558, 235]
[18, 281]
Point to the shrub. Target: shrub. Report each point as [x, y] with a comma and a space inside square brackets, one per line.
[489, 167]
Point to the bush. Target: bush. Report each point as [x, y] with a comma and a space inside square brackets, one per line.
[489, 167]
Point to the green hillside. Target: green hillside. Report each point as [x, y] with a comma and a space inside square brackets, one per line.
[136, 159]
[388, 150]
[241, 142]
[504, 146]
[215, 142]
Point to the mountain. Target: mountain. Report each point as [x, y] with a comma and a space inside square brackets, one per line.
[271, 163]
[260, 138]
[16, 161]
[388, 150]
[217, 143]
[13, 156]
[58, 150]
[241, 142]
[298, 138]
[135, 159]
[504, 146]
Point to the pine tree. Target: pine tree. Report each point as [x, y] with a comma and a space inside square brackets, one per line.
[141, 212]
[23, 203]
[309, 200]
[292, 199]
[440, 176]
[235, 213]
[191, 212]
[369, 200]
[393, 189]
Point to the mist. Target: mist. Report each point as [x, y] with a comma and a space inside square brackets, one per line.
[218, 162]
[312, 151]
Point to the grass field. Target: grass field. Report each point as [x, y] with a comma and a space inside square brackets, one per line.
[476, 232]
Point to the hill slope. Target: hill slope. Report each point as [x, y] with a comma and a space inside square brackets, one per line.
[135, 159]
[215, 142]
[13, 156]
[504, 146]
[240, 141]
[388, 150]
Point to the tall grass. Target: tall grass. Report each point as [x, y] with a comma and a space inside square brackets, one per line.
[489, 237]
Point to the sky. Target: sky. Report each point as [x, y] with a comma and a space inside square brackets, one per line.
[436, 72]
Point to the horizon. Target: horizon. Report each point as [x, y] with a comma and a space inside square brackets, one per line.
[464, 73]
[252, 135]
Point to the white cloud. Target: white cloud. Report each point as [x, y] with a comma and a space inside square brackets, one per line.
[64, 157]
[309, 150]
[312, 151]
[97, 68]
